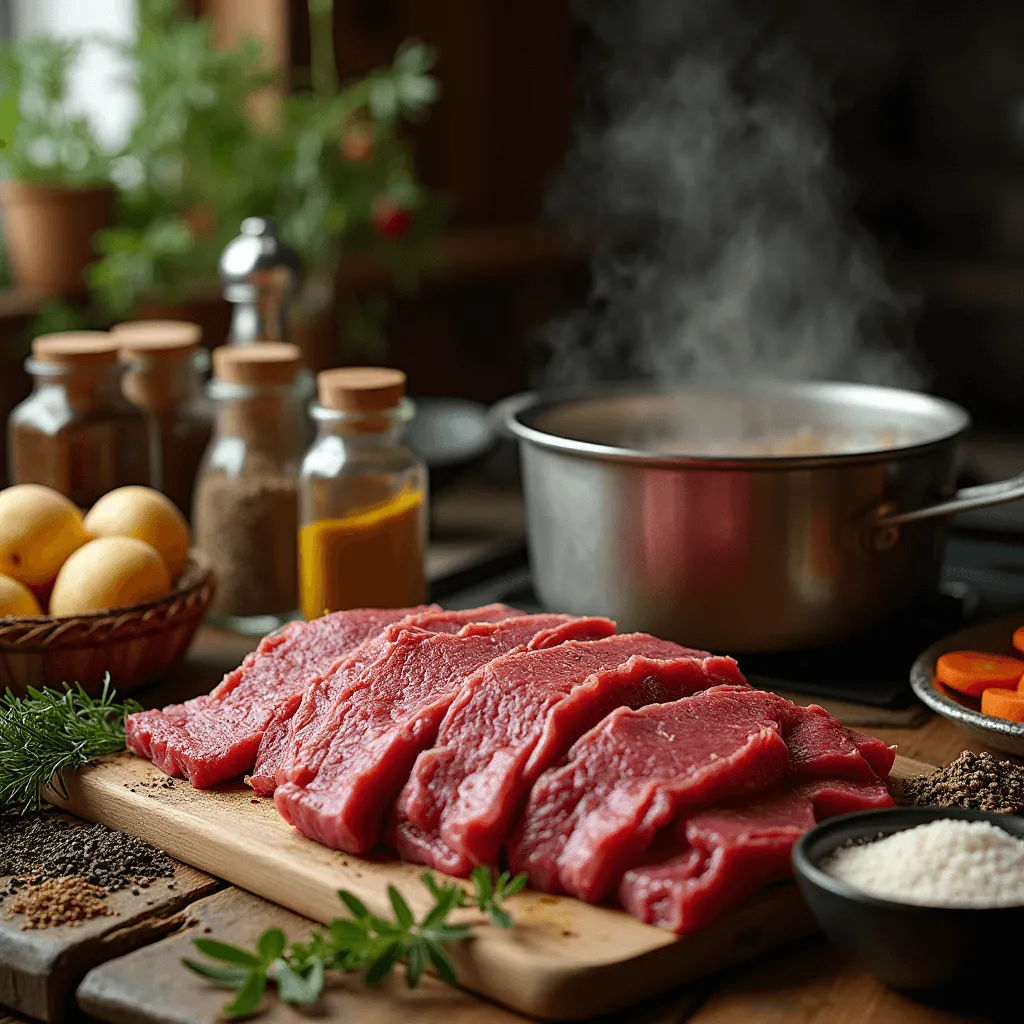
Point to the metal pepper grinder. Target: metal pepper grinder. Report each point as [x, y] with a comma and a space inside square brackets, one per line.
[260, 277]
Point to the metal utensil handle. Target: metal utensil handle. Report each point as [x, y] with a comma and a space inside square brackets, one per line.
[964, 500]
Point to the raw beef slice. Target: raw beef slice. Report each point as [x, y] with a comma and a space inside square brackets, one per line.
[714, 860]
[274, 744]
[636, 772]
[517, 717]
[216, 736]
[379, 726]
[296, 756]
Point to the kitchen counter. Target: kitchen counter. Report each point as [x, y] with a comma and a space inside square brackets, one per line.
[134, 973]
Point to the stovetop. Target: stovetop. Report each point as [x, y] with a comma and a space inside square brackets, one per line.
[983, 577]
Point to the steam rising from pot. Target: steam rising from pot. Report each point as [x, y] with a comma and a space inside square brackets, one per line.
[703, 162]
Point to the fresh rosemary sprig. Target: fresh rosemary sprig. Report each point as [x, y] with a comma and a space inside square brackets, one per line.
[49, 732]
[361, 942]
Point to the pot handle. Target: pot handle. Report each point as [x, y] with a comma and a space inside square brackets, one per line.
[964, 500]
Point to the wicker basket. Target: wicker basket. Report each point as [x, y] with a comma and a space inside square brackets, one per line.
[134, 644]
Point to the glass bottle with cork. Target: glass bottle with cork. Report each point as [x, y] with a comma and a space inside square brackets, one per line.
[76, 432]
[164, 371]
[362, 498]
[245, 513]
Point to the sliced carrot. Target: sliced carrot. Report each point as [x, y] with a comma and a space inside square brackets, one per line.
[973, 672]
[1003, 704]
[1018, 639]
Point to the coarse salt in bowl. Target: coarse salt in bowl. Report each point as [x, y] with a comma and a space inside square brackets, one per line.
[876, 887]
[943, 863]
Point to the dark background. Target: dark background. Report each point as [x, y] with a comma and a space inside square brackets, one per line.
[933, 150]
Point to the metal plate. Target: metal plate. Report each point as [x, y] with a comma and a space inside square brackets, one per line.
[994, 637]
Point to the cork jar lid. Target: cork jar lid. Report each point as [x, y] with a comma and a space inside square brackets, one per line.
[264, 364]
[361, 388]
[77, 348]
[156, 339]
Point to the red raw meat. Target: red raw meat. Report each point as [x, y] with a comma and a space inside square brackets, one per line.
[297, 757]
[371, 739]
[517, 717]
[877, 754]
[216, 736]
[635, 773]
[714, 860]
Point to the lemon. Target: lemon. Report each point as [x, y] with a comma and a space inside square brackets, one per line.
[109, 572]
[39, 529]
[16, 599]
[147, 515]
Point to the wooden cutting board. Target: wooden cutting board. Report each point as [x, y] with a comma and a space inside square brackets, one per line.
[563, 960]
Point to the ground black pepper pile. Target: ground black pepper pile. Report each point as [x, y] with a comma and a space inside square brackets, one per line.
[33, 849]
[977, 781]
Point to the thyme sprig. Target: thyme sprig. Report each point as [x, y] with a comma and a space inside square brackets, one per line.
[49, 732]
[361, 942]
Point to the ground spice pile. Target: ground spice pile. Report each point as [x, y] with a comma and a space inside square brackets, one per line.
[42, 847]
[57, 901]
[977, 781]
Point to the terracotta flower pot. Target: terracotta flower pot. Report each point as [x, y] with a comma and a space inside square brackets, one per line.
[48, 233]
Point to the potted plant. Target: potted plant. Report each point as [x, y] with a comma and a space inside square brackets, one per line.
[331, 168]
[56, 192]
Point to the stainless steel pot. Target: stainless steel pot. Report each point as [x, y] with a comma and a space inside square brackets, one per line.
[629, 516]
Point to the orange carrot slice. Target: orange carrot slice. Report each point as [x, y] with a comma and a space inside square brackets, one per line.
[973, 672]
[1018, 639]
[1003, 704]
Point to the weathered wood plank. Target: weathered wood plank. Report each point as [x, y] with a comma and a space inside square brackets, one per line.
[39, 969]
[150, 986]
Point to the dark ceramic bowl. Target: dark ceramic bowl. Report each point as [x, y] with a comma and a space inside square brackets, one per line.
[907, 946]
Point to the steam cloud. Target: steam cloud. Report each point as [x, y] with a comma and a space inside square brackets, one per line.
[703, 161]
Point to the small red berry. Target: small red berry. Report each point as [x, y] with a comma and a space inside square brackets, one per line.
[390, 220]
[357, 145]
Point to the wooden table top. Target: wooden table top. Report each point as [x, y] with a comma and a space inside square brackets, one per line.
[131, 965]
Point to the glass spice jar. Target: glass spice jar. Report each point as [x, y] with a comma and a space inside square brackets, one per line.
[245, 514]
[164, 372]
[76, 432]
[362, 498]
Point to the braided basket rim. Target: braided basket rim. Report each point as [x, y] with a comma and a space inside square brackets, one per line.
[176, 609]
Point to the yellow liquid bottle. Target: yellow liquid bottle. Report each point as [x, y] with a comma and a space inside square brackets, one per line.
[362, 498]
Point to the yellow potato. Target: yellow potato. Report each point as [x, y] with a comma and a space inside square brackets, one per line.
[16, 599]
[109, 572]
[145, 514]
[39, 529]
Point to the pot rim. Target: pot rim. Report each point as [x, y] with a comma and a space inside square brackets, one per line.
[510, 412]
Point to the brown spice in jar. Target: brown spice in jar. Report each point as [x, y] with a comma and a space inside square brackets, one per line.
[248, 527]
[976, 781]
[56, 901]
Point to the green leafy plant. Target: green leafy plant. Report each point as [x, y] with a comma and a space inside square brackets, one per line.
[52, 145]
[49, 732]
[362, 942]
[331, 166]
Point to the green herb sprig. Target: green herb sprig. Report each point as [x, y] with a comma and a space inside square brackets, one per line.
[361, 942]
[49, 732]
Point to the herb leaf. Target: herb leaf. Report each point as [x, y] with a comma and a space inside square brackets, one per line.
[271, 945]
[248, 997]
[49, 732]
[225, 953]
[403, 915]
[490, 893]
[225, 977]
[362, 942]
[296, 987]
